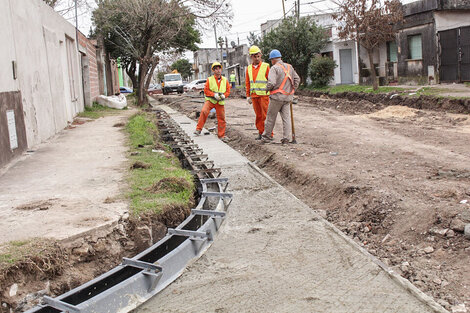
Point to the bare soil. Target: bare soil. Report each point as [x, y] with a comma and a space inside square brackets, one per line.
[52, 267]
[390, 176]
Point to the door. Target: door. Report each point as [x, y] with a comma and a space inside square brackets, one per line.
[465, 54]
[449, 59]
[345, 66]
[454, 58]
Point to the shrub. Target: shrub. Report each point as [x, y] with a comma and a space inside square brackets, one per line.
[321, 71]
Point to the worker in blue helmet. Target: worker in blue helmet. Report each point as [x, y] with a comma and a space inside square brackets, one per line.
[282, 83]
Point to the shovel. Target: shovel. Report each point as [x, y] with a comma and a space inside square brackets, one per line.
[294, 101]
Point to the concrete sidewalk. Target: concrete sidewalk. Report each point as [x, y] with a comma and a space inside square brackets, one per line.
[69, 185]
[274, 254]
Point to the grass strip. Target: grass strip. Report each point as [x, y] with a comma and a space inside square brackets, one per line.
[158, 181]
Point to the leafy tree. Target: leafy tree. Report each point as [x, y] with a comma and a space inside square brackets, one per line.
[183, 67]
[370, 22]
[321, 70]
[298, 40]
[253, 39]
[161, 76]
[136, 31]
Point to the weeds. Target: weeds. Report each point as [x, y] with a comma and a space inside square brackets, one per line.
[143, 195]
[95, 111]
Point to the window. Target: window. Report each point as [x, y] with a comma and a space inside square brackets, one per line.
[392, 51]
[328, 54]
[415, 50]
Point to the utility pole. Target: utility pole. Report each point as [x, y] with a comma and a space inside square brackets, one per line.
[283, 8]
[226, 52]
[298, 10]
[216, 43]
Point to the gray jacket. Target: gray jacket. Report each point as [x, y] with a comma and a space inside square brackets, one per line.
[275, 78]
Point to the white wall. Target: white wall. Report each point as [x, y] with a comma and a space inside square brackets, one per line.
[451, 19]
[36, 40]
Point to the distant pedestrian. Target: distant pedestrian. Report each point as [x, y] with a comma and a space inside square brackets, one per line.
[216, 90]
[256, 94]
[282, 82]
[233, 79]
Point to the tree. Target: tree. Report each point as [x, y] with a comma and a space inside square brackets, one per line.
[370, 22]
[183, 67]
[321, 70]
[298, 40]
[253, 39]
[136, 31]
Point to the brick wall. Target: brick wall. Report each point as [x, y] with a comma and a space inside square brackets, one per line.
[88, 46]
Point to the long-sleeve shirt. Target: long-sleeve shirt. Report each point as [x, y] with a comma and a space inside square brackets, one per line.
[275, 78]
[255, 74]
[208, 92]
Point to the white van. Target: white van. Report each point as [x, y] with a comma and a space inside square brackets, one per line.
[172, 83]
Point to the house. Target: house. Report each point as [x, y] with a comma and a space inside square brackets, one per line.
[431, 44]
[47, 78]
[235, 59]
[344, 52]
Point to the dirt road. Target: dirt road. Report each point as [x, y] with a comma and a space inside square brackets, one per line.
[393, 178]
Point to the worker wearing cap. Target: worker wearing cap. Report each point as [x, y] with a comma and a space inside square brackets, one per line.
[216, 90]
[232, 79]
[282, 82]
[256, 78]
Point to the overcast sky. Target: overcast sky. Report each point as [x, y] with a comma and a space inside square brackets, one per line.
[248, 15]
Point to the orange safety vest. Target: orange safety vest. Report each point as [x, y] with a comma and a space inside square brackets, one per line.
[287, 76]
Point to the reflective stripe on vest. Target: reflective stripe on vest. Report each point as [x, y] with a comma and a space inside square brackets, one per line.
[258, 85]
[287, 76]
[214, 88]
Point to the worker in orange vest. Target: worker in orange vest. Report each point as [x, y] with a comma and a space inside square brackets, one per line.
[256, 94]
[217, 88]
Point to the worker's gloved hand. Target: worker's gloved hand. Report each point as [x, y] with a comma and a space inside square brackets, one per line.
[295, 100]
[217, 97]
[222, 96]
[249, 100]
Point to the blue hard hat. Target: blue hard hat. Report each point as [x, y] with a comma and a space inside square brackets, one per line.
[274, 54]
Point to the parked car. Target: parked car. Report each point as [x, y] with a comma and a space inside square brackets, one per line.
[195, 85]
[155, 89]
[125, 90]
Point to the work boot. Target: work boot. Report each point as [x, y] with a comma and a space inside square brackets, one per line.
[224, 139]
[265, 138]
[258, 137]
[197, 132]
[284, 141]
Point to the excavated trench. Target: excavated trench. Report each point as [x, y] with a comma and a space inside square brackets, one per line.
[62, 267]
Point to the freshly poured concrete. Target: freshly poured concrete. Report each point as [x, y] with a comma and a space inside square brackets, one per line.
[274, 254]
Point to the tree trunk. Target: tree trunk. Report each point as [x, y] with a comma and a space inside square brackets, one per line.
[150, 74]
[141, 94]
[375, 85]
[130, 69]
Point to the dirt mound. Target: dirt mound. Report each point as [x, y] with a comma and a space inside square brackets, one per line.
[170, 184]
[397, 111]
[139, 164]
[391, 99]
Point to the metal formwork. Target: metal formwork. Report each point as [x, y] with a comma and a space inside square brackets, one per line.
[139, 278]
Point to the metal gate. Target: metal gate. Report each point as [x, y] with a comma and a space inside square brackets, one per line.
[454, 58]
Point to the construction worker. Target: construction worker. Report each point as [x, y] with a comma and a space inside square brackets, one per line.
[256, 94]
[282, 82]
[216, 90]
[233, 79]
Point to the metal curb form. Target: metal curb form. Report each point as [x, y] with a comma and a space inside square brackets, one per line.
[137, 279]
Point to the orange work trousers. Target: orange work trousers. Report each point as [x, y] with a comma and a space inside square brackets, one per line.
[260, 105]
[219, 111]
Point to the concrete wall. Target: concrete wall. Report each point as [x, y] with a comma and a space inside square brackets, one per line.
[451, 19]
[37, 38]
